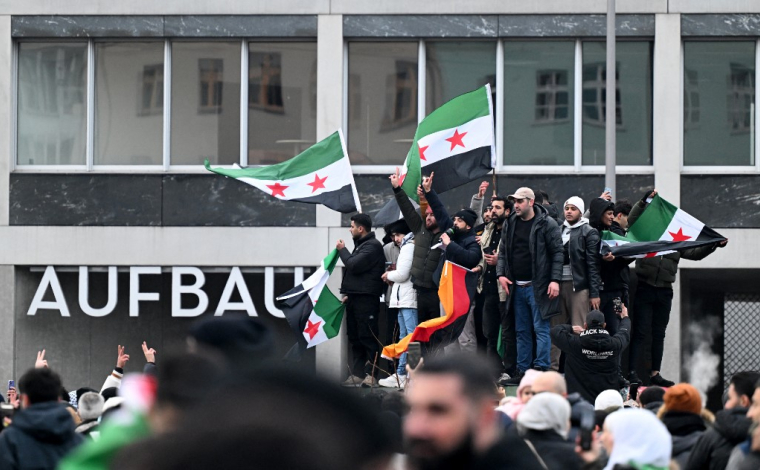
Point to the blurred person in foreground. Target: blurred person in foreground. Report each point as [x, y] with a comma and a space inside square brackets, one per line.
[746, 456]
[685, 419]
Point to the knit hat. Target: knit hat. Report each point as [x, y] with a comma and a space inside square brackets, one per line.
[608, 399]
[683, 397]
[577, 202]
[468, 215]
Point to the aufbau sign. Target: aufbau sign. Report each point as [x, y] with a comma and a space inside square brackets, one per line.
[188, 287]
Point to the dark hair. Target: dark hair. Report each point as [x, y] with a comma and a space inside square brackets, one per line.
[187, 379]
[622, 207]
[541, 196]
[477, 382]
[600, 416]
[651, 394]
[40, 385]
[500, 198]
[362, 220]
[745, 382]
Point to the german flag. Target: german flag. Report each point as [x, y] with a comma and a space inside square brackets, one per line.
[456, 291]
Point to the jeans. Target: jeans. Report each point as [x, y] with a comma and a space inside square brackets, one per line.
[407, 322]
[528, 322]
[650, 316]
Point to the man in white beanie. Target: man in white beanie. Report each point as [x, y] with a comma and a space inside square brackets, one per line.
[581, 282]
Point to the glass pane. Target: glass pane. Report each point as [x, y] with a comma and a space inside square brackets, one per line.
[721, 76]
[129, 103]
[633, 104]
[538, 102]
[282, 100]
[382, 101]
[205, 103]
[51, 103]
[454, 68]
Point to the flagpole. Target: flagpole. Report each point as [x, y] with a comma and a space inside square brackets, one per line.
[611, 103]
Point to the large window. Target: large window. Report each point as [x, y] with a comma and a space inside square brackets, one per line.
[633, 102]
[719, 103]
[129, 103]
[454, 68]
[382, 101]
[282, 100]
[52, 106]
[538, 102]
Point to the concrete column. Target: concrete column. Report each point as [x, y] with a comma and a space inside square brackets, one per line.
[667, 113]
[331, 355]
[6, 115]
[7, 323]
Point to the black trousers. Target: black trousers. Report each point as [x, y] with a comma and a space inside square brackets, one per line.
[428, 304]
[362, 328]
[650, 317]
[478, 312]
[495, 316]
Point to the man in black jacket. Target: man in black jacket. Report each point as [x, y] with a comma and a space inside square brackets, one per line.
[43, 432]
[591, 353]
[530, 260]
[362, 287]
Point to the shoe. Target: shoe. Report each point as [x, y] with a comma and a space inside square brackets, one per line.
[633, 378]
[369, 382]
[352, 381]
[394, 381]
[514, 380]
[660, 381]
[503, 378]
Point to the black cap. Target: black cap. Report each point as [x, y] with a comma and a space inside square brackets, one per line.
[595, 319]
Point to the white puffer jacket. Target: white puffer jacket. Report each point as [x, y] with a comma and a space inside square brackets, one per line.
[403, 294]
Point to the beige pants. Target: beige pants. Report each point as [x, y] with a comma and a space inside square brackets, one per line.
[573, 308]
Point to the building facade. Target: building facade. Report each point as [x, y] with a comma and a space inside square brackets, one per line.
[115, 233]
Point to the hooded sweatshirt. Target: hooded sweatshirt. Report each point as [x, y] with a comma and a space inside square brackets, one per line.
[38, 438]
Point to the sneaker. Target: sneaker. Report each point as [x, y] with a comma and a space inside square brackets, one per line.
[660, 381]
[514, 380]
[369, 382]
[390, 381]
[503, 378]
[352, 381]
[633, 378]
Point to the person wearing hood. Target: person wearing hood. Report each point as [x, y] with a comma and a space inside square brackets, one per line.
[581, 283]
[511, 406]
[713, 449]
[529, 267]
[591, 364]
[682, 415]
[43, 431]
[544, 425]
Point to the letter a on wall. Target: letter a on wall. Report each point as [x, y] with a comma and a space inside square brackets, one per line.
[49, 279]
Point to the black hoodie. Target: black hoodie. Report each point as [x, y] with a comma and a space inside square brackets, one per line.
[614, 273]
[39, 437]
[714, 447]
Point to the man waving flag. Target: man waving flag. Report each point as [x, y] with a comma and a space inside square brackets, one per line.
[456, 141]
[319, 175]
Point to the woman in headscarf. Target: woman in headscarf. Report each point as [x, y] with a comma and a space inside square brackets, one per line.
[512, 406]
[543, 424]
[633, 439]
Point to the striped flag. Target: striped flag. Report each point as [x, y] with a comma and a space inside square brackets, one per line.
[456, 291]
[311, 309]
[456, 141]
[319, 175]
[661, 229]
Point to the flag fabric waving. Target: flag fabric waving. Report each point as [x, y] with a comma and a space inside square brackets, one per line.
[311, 309]
[319, 175]
[456, 141]
[661, 229]
[456, 291]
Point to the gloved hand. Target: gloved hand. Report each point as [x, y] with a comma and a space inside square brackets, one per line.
[650, 193]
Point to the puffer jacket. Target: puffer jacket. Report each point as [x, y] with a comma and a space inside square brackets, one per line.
[615, 273]
[546, 254]
[660, 271]
[712, 450]
[425, 260]
[403, 294]
[364, 267]
[583, 248]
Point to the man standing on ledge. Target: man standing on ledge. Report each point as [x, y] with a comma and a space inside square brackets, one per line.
[530, 260]
[362, 287]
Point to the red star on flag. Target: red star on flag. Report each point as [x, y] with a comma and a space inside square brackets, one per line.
[317, 183]
[651, 255]
[312, 329]
[422, 151]
[401, 179]
[456, 139]
[277, 189]
[679, 236]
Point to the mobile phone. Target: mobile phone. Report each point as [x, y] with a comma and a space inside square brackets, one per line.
[488, 250]
[11, 384]
[617, 305]
[633, 392]
[413, 354]
[608, 190]
[587, 427]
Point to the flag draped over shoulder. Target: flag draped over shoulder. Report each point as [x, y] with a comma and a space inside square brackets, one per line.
[456, 291]
[311, 309]
[456, 141]
[319, 175]
[661, 229]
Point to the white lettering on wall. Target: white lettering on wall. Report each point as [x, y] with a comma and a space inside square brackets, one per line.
[49, 279]
[236, 281]
[195, 289]
[84, 293]
[135, 296]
